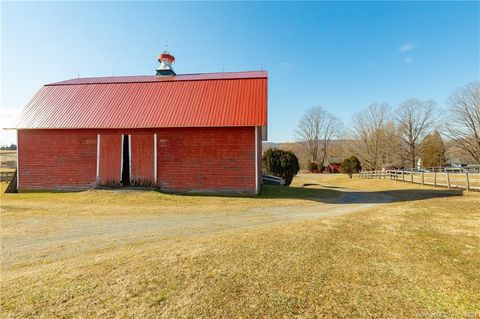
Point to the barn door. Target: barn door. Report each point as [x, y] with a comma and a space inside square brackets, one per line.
[109, 159]
[142, 160]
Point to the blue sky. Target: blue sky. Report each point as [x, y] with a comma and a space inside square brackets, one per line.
[342, 56]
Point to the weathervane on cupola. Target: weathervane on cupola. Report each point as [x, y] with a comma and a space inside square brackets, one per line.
[166, 60]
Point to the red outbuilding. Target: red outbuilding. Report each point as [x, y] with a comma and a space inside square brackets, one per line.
[181, 133]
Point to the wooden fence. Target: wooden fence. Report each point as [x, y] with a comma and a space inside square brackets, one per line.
[6, 176]
[458, 180]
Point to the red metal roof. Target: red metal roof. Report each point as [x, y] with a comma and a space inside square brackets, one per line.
[192, 100]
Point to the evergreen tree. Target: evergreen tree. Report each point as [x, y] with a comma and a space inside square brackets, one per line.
[281, 163]
[350, 166]
[432, 150]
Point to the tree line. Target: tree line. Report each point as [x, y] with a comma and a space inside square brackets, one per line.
[382, 136]
[12, 147]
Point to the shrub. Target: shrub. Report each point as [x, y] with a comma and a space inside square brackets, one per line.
[281, 163]
[350, 166]
[313, 167]
[321, 168]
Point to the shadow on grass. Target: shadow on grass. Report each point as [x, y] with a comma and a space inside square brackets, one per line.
[326, 186]
[332, 196]
[328, 195]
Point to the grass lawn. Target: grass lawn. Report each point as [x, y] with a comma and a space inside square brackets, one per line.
[416, 256]
[8, 161]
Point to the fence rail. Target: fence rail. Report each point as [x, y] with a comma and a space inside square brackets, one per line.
[6, 176]
[458, 180]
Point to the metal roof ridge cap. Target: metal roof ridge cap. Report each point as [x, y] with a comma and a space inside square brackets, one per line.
[151, 81]
[136, 76]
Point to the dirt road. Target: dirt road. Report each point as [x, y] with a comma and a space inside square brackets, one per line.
[80, 234]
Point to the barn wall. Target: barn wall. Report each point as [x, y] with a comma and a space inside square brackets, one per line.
[188, 159]
[259, 157]
[56, 159]
[207, 159]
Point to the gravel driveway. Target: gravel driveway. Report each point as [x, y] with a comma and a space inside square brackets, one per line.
[79, 235]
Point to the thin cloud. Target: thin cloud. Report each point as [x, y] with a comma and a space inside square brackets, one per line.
[408, 46]
[409, 59]
[285, 65]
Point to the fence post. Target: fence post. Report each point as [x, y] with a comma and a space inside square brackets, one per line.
[403, 176]
[448, 180]
[435, 179]
[423, 178]
[468, 181]
[411, 177]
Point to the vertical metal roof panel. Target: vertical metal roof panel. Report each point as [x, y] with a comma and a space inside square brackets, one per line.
[233, 99]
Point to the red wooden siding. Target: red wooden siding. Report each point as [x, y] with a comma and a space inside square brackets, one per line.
[57, 159]
[142, 160]
[206, 159]
[110, 159]
[188, 159]
[259, 157]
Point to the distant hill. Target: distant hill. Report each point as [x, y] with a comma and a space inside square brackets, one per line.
[340, 150]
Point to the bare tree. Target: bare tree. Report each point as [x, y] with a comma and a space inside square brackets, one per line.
[414, 119]
[393, 152]
[316, 130]
[464, 125]
[370, 135]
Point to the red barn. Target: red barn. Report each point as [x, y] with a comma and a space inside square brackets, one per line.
[180, 133]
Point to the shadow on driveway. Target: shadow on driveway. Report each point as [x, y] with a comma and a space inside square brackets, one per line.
[345, 196]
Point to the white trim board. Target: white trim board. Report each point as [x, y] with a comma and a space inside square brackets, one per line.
[155, 158]
[98, 159]
[130, 158]
[18, 166]
[256, 159]
[121, 156]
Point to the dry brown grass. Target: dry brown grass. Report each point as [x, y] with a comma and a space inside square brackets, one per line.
[409, 258]
[8, 160]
